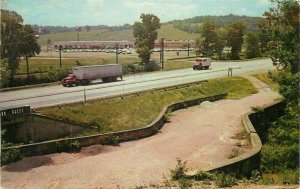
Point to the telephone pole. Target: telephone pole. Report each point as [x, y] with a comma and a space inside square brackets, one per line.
[117, 58]
[162, 47]
[60, 48]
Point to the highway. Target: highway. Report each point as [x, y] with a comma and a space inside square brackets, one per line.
[57, 94]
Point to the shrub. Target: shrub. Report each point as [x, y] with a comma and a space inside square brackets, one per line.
[184, 183]
[203, 175]
[255, 176]
[180, 170]
[114, 140]
[152, 66]
[225, 180]
[132, 68]
[73, 146]
[10, 156]
[167, 115]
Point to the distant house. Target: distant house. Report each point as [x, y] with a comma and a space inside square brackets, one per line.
[92, 44]
[172, 44]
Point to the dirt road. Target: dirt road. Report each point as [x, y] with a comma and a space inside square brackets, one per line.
[203, 135]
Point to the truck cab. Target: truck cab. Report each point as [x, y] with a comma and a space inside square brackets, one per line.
[202, 63]
[70, 80]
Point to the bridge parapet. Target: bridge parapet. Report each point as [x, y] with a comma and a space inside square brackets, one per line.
[15, 111]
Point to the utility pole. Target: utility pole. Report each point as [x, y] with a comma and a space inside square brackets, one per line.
[60, 48]
[27, 66]
[162, 52]
[117, 58]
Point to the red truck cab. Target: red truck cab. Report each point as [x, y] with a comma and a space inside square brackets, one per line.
[70, 80]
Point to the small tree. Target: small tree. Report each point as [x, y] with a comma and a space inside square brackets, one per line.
[235, 34]
[145, 34]
[252, 45]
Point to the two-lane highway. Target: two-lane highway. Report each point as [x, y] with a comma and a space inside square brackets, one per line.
[52, 95]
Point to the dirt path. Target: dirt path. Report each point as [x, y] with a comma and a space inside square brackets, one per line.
[202, 135]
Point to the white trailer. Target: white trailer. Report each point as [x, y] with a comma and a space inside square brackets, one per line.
[84, 74]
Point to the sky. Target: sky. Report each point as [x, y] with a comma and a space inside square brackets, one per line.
[119, 12]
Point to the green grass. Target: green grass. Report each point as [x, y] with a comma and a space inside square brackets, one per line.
[92, 35]
[264, 78]
[46, 64]
[173, 64]
[169, 32]
[136, 112]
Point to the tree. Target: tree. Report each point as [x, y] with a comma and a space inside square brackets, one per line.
[145, 34]
[87, 28]
[208, 36]
[48, 43]
[235, 33]
[29, 45]
[220, 42]
[18, 41]
[11, 26]
[252, 45]
[282, 26]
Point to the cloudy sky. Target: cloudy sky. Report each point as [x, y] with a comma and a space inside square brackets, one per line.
[119, 12]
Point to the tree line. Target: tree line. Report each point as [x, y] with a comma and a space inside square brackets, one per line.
[191, 25]
[41, 30]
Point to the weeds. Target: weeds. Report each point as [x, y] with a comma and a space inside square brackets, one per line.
[225, 180]
[180, 170]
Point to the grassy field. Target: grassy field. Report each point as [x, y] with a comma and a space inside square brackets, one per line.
[45, 63]
[166, 31]
[136, 112]
[169, 32]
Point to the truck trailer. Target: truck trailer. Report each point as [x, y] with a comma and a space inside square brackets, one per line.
[82, 75]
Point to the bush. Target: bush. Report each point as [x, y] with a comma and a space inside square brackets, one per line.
[152, 66]
[180, 170]
[255, 176]
[132, 68]
[203, 175]
[184, 183]
[73, 146]
[225, 180]
[114, 140]
[10, 156]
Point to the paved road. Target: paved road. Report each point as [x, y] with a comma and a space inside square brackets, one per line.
[52, 95]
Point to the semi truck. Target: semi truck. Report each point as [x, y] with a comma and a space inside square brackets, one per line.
[82, 75]
[202, 63]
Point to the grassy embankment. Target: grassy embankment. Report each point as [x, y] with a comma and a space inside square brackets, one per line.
[264, 78]
[280, 152]
[136, 112]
